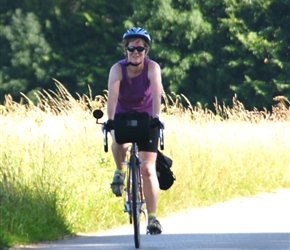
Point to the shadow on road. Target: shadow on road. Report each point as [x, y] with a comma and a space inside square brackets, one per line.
[267, 241]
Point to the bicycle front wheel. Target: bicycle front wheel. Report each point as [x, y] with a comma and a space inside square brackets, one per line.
[135, 198]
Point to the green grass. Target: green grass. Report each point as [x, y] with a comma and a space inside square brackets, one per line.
[225, 160]
[55, 177]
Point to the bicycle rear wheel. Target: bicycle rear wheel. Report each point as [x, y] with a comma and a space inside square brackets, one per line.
[136, 203]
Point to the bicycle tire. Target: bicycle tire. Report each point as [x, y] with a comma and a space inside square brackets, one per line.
[129, 194]
[135, 196]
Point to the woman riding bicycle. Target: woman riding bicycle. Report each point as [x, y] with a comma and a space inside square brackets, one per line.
[134, 84]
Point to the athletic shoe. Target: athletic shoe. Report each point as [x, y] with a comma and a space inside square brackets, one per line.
[154, 226]
[118, 183]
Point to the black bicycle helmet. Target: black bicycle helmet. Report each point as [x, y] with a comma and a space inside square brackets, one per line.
[137, 32]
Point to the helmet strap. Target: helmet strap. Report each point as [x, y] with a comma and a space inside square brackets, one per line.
[133, 64]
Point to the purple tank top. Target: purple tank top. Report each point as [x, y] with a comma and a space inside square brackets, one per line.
[135, 93]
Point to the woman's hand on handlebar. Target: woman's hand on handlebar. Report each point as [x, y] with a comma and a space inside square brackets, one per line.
[156, 123]
[109, 125]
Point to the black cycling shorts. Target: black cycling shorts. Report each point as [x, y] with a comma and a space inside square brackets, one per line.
[152, 144]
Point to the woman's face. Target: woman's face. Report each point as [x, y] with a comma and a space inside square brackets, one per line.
[136, 56]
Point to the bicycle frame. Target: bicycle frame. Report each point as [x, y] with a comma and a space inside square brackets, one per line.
[133, 151]
[134, 198]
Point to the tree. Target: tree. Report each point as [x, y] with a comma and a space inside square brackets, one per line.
[259, 49]
[26, 63]
[80, 38]
[216, 48]
[206, 49]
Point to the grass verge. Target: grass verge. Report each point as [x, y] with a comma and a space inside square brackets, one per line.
[55, 177]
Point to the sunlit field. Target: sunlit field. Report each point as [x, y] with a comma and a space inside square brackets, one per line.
[55, 176]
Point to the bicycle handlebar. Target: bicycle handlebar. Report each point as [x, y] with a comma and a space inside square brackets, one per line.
[98, 114]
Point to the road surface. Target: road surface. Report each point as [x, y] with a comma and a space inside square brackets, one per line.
[259, 222]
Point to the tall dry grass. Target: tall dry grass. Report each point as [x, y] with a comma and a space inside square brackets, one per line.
[55, 177]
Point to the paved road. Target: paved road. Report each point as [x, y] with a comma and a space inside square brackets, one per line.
[259, 222]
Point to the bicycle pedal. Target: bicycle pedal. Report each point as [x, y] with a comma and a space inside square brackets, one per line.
[127, 208]
[117, 189]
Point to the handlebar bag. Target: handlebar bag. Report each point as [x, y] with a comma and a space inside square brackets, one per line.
[132, 127]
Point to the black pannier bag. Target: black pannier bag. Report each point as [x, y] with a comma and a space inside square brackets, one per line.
[165, 176]
[132, 127]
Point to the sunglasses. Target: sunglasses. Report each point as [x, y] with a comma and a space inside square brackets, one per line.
[133, 48]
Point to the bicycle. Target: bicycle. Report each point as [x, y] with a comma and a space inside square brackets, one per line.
[134, 202]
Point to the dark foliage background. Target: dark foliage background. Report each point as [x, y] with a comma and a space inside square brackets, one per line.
[207, 49]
